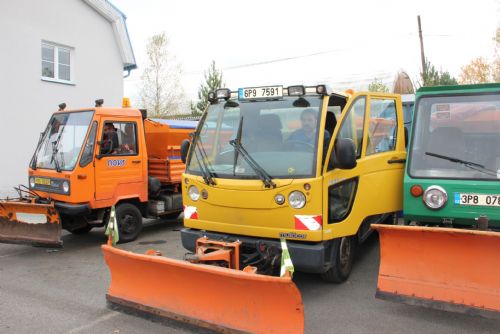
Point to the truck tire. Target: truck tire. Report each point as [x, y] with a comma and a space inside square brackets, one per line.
[342, 263]
[129, 221]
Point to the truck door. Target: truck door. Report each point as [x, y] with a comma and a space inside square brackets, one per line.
[374, 122]
[118, 165]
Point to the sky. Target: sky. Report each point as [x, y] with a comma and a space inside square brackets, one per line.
[344, 44]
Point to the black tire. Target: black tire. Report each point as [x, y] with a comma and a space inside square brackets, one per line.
[342, 262]
[82, 230]
[129, 221]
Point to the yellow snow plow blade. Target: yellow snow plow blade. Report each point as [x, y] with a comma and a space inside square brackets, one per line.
[445, 268]
[221, 299]
[24, 222]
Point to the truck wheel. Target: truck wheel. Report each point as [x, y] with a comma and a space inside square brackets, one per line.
[342, 263]
[129, 220]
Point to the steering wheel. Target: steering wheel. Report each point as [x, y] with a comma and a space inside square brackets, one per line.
[297, 144]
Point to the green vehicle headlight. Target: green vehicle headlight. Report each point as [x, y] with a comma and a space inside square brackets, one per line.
[435, 197]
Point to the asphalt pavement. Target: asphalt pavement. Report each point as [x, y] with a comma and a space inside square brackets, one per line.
[63, 291]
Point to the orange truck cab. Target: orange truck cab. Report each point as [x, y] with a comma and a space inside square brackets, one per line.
[89, 160]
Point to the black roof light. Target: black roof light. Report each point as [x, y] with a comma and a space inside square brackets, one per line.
[223, 93]
[296, 90]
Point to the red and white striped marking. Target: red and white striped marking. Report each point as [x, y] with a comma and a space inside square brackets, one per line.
[190, 212]
[308, 222]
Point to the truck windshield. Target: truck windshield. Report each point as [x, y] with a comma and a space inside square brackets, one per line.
[62, 140]
[280, 136]
[456, 137]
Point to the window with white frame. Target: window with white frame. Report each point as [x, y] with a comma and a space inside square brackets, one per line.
[57, 62]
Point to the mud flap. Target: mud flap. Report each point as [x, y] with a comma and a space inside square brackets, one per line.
[221, 299]
[444, 268]
[30, 224]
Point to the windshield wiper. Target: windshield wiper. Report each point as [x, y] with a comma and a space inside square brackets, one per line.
[469, 164]
[238, 142]
[55, 150]
[261, 173]
[207, 175]
[35, 155]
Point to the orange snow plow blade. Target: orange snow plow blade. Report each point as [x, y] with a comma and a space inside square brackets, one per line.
[221, 299]
[444, 268]
[29, 223]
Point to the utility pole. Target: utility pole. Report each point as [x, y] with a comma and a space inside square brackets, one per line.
[421, 44]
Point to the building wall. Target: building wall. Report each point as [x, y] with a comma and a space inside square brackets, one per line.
[26, 101]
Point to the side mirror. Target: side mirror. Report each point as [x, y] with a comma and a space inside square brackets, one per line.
[345, 153]
[185, 149]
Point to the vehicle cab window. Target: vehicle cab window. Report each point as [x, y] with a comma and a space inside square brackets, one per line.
[119, 138]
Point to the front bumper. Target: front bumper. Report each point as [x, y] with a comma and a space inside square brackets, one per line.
[72, 209]
[310, 257]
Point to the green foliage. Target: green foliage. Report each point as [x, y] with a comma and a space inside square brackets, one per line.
[213, 81]
[378, 86]
[432, 77]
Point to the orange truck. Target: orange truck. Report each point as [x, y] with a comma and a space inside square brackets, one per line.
[90, 160]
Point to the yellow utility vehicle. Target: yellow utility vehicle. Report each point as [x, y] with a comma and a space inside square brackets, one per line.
[301, 163]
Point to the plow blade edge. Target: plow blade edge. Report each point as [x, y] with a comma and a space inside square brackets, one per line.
[224, 300]
[444, 268]
[29, 223]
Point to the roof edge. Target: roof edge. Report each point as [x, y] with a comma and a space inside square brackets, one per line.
[117, 20]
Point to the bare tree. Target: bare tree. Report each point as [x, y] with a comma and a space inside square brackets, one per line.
[161, 91]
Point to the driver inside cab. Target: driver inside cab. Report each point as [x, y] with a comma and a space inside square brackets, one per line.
[307, 133]
[110, 140]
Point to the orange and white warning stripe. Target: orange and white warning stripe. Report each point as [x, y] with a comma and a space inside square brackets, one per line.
[308, 222]
[190, 212]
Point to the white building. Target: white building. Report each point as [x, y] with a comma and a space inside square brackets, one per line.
[72, 51]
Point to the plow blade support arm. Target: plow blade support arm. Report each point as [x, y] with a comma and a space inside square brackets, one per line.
[224, 300]
[444, 268]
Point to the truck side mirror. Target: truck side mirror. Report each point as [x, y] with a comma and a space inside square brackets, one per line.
[185, 149]
[345, 153]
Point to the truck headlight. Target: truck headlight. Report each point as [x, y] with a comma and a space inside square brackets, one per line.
[435, 197]
[194, 193]
[297, 199]
[32, 182]
[65, 187]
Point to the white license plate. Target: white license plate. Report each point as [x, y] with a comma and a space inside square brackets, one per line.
[477, 199]
[260, 92]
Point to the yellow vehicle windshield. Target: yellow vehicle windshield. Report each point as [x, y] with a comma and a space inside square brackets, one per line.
[280, 136]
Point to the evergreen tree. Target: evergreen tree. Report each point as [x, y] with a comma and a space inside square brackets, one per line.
[432, 77]
[213, 81]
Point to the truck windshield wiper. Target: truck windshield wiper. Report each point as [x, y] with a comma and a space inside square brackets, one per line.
[261, 173]
[207, 175]
[35, 155]
[55, 150]
[469, 164]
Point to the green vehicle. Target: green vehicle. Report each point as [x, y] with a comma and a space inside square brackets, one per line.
[447, 254]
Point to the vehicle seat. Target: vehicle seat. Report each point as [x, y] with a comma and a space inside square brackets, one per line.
[269, 132]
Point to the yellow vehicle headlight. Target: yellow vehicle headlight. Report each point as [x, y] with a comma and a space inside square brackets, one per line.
[297, 199]
[194, 193]
[32, 182]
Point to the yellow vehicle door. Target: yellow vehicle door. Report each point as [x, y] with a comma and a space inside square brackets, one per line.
[118, 165]
[374, 186]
